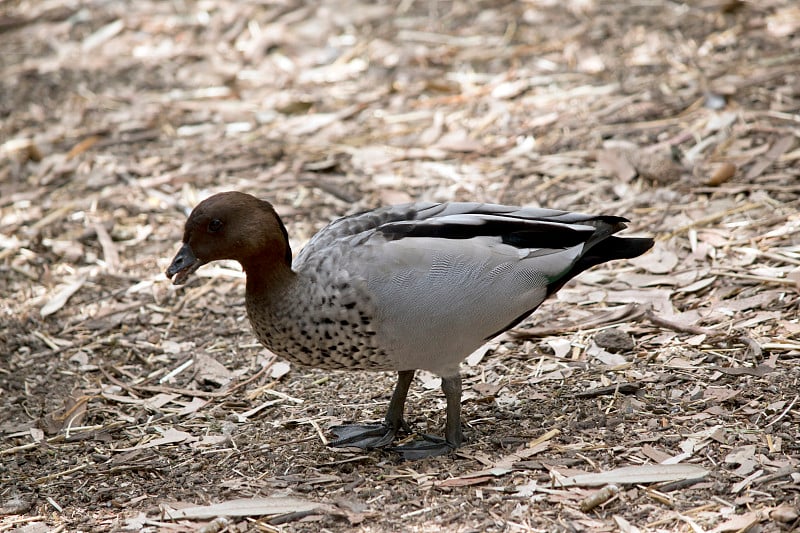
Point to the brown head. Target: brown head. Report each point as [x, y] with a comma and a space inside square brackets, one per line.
[232, 225]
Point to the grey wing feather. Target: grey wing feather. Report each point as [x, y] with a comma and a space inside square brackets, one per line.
[361, 225]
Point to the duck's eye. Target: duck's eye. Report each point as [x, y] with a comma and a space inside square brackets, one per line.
[215, 225]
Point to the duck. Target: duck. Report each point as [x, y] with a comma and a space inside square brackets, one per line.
[418, 286]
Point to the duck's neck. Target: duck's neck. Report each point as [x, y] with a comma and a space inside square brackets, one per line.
[268, 278]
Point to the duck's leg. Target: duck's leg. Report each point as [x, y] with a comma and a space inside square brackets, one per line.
[378, 435]
[429, 445]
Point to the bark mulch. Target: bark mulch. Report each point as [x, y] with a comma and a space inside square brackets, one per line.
[658, 394]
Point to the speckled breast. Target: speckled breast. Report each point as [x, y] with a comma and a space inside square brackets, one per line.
[329, 327]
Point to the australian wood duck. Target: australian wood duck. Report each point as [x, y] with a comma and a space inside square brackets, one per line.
[401, 288]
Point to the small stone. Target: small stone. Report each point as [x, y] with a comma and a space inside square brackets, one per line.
[784, 513]
[614, 340]
[658, 167]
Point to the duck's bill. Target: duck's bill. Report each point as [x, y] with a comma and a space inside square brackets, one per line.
[184, 264]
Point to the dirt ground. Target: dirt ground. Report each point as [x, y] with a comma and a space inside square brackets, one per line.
[128, 404]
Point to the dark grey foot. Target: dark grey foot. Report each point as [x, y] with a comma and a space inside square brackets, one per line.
[427, 446]
[364, 436]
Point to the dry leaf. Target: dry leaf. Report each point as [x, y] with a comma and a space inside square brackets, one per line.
[60, 298]
[264, 506]
[607, 358]
[720, 394]
[477, 356]
[170, 436]
[633, 475]
[784, 21]
[510, 89]
[742, 522]
[429, 380]
[785, 513]
[561, 347]
[465, 481]
[625, 526]
[780, 146]
[737, 487]
[208, 441]
[458, 141]
[102, 35]
[659, 260]
[654, 455]
[744, 456]
[211, 370]
[794, 275]
[486, 389]
[698, 285]
[760, 370]
[556, 375]
[192, 407]
[502, 466]
[658, 299]
[110, 254]
[158, 401]
[279, 369]
[71, 415]
[616, 163]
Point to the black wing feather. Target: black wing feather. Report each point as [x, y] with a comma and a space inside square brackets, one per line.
[517, 232]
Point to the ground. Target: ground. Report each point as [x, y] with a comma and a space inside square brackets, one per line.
[124, 398]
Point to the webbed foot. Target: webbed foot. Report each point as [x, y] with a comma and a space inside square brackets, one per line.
[427, 446]
[364, 436]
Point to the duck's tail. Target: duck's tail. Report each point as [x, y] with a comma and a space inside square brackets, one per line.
[609, 249]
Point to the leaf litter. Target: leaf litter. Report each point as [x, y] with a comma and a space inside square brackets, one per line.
[124, 399]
